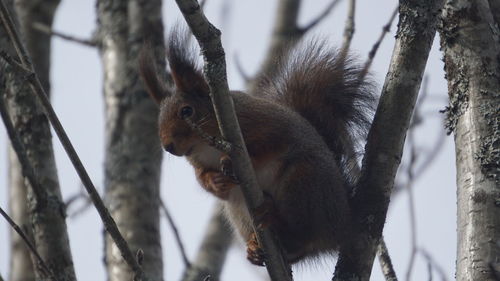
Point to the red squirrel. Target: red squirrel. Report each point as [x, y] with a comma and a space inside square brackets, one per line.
[300, 127]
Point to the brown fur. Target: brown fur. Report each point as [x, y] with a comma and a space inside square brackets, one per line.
[299, 129]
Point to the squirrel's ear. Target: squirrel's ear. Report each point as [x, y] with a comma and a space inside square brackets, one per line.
[182, 61]
[147, 69]
[189, 81]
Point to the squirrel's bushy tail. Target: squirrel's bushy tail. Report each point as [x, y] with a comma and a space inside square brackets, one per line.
[325, 89]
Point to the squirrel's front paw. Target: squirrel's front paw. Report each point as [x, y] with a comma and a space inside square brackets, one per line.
[255, 254]
[219, 184]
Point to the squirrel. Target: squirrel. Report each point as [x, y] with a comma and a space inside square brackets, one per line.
[301, 127]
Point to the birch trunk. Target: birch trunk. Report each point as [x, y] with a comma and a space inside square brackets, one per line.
[38, 44]
[47, 217]
[470, 40]
[133, 154]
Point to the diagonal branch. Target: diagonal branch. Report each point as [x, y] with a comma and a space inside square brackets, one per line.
[417, 27]
[208, 37]
[375, 47]
[177, 236]
[321, 16]
[30, 246]
[109, 223]
[348, 29]
[46, 29]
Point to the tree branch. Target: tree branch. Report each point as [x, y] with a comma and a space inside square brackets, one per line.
[208, 37]
[375, 47]
[416, 32]
[109, 223]
[177, 236]
[30, 246]
[349, 29]
[47, 30]
[386, 262]
[321, 16]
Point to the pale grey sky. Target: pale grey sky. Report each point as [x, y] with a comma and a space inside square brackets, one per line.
[76, 90]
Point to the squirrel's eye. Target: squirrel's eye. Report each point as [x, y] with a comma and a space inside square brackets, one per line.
[186, 111]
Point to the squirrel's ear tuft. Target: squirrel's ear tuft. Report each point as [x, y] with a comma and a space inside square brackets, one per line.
[149, 75]
[185, 72]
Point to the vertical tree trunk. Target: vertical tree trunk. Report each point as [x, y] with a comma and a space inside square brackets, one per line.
[470, 40]
[38, 44]
[47, 215]
[133, 154]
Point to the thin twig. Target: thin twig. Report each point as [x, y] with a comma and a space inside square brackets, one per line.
[38, 90]
[218, 143]
[177, 236]
[27, 242]
[435, 265]
[46, 29]
[374, 49]
[349, 29]
[411, 205]
[386, 262]
[320, 17]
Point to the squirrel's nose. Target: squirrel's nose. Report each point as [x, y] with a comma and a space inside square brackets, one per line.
[169, 147]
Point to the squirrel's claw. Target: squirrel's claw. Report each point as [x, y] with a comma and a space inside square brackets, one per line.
[255, 254]
[226, 167]
[220, 185]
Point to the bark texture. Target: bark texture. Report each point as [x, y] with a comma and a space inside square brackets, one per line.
[416, 30]
[213, 250]
[46, 212]
[470, 40]
[38, 45]
[133, 153]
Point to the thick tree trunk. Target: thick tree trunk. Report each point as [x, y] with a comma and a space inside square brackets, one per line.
[38, 45]
[133, 154]
[470, 40]
[46, 213]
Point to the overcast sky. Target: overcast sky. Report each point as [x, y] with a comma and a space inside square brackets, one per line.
[246, 26]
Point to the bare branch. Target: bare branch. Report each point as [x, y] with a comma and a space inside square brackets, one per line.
[28, 244]
[411, 203]
[349, 29]
[385, 143]
[208, 37]
[46, 29]
[375, 47]
[177, 236]
[109, 223]
[386, 262]
[320, 17]
[434, 264]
